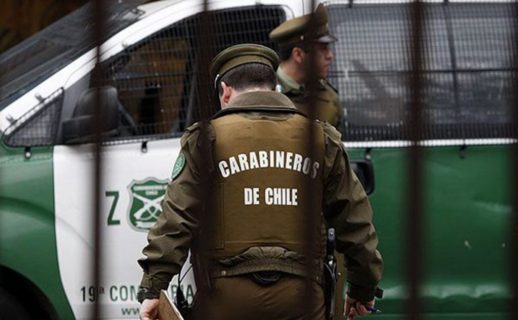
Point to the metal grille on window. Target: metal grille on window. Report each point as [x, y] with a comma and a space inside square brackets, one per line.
[38, 127]
[467, 66]
[157, 78]
[56, 46]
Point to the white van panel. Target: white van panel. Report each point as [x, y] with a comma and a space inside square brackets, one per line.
[122, 243]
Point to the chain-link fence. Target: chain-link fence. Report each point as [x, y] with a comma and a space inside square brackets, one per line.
[410, 76]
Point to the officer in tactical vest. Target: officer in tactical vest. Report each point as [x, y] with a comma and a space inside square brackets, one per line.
[297, 46]
[296, 42]
[259, 264]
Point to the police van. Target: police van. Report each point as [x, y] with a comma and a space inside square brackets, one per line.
[151, 58]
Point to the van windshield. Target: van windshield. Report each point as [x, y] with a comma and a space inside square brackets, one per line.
[35, 59]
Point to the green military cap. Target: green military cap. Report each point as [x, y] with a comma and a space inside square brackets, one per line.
[240, 54]
[297, 30]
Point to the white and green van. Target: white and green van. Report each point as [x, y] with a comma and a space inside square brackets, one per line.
[150, 62]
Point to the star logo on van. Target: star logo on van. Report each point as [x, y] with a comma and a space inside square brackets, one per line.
[145, 202]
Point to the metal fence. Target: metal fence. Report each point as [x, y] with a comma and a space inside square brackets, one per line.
[408, 74]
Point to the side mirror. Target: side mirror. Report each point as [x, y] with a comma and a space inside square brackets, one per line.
[364, 170]
[81, 127]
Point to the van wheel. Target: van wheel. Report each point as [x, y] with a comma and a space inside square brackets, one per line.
[10, 308]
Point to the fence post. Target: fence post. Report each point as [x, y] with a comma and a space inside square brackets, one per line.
[96, 272]
[414, 232]
[513, 229]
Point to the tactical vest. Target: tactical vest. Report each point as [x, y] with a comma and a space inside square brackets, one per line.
[266, 181]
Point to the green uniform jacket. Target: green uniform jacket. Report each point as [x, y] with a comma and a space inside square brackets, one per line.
[327, 101]
[345, 207]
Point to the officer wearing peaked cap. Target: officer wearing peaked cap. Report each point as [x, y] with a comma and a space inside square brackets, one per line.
[300, 40]
[258, 263]
[242, 54]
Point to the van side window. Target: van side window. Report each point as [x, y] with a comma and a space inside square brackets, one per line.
[156, 79]
[467, 61]
[38, 127]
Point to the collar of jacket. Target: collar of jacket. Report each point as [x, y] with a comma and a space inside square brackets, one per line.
[261, 98]
[288, 84]
[260, 101]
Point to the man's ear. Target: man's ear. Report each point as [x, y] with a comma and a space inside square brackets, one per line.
[226, 92]
[298, 55]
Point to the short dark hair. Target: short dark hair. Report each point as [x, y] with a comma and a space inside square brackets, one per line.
[249, 75]
[285, 51]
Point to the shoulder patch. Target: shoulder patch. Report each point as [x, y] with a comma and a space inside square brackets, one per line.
[178, 166]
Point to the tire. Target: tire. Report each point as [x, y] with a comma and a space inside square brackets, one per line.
[11, 308]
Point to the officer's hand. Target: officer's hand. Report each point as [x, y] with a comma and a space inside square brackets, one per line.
[149, 309]
[354, 308]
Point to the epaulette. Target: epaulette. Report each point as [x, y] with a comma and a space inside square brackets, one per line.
[192, 144]
[188, 135]
[193, 127]
[192, 131]
[326, 83]
[191, 136]
[331, 131]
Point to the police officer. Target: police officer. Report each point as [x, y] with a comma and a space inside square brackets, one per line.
[259, 168]
[296, 42]
[299, 46]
